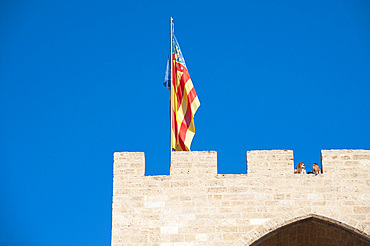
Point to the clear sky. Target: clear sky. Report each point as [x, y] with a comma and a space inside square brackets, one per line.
[80, 80]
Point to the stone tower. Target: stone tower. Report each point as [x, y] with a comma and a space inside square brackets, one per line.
[270, 205]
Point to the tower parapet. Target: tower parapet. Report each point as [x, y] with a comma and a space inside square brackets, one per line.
[196, 206]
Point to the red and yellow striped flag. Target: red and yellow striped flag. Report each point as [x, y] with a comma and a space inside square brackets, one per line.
[185, 101]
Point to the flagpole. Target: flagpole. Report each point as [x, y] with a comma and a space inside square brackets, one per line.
[171, 76]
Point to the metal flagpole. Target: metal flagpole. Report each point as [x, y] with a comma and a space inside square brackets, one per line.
[171, 97]
[171, 90]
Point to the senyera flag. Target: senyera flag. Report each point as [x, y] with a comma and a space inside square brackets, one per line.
[184, 99]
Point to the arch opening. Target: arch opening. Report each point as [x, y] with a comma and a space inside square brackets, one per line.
[313, 231]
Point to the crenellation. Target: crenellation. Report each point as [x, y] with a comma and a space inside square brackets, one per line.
[196, 206]
[197, 163]
[129, 164]
[268, 162]
[344, 161]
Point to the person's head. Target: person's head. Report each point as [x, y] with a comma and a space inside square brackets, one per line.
[315, 168]
[300, 167]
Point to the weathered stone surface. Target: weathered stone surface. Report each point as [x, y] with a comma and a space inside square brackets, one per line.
[196, 206]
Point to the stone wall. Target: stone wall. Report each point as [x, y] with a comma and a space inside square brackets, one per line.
[196, 206]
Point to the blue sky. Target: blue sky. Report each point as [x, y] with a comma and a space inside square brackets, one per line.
[80, 80]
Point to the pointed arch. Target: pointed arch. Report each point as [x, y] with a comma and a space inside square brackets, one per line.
[327, 216]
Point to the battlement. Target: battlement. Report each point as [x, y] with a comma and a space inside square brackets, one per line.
[259, 162]
[195, 205]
